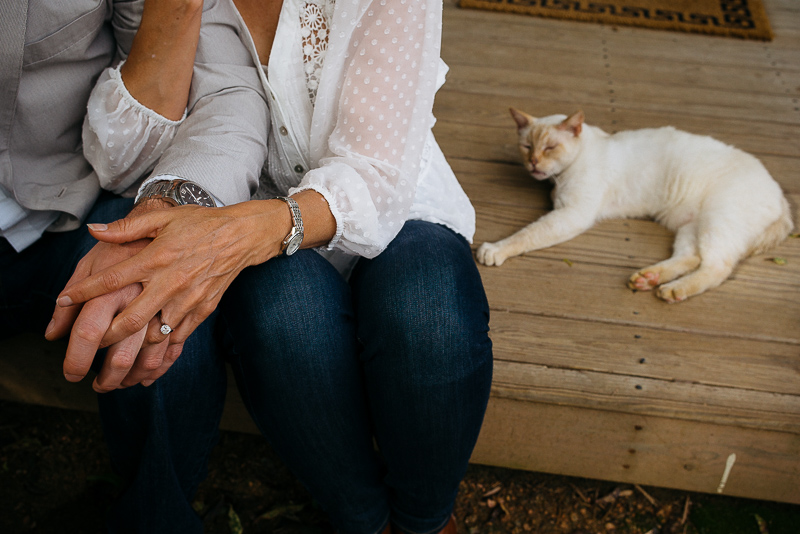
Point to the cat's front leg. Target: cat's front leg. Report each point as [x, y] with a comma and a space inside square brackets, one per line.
[551, 229]
[497, 253]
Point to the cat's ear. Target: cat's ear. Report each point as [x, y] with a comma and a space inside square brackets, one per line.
[573, 123]
[521, 118]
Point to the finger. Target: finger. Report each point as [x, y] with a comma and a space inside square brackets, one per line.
[138, 314]
[84, 340]
[108, 280]
[170, 356]
[129, 229]
[149, 359]
[187, 326]
[176, 340]
[119, 360]
[62, 321]
[64, 316]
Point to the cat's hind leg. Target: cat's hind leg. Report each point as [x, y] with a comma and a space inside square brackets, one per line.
[722, 240]
[710, 274]
[684, 259]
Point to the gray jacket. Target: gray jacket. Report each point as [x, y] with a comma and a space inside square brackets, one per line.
[51, 53]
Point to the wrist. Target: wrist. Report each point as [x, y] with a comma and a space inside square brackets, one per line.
[261, 226]
[149, 204]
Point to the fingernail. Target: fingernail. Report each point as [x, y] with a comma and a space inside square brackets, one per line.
[98, 227]
[50, 327]
[64, 301]
[73, 378]
[146, 383]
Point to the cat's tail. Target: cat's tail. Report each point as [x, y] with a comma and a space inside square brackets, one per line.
[777, 231]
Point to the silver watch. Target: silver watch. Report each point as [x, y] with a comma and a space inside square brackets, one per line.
[177, 193]
[291, 242]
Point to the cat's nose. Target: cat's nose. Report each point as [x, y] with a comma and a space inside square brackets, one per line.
[534, 161]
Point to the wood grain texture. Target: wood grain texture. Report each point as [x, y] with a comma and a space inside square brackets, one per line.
[592, 379]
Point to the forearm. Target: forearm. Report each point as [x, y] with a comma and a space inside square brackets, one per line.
[263, 225]
[158, 71]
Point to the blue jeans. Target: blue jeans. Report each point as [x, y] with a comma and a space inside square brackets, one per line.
[401, 354]
[161, 453]
[399, 357]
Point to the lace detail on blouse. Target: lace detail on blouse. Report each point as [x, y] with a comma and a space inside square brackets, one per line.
[314, 16]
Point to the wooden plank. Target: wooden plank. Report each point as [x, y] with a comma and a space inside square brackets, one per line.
[631, 244]
[546, 286]
[456, 109]
[639, 351]
[640, 449]
[689, 401]
[485, 143]
[525, 31]
[590, 65]
[641, 95]
[30, 372]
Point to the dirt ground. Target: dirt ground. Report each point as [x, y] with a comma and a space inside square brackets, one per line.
[55, 478]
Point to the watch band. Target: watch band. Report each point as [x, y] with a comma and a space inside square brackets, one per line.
[177, 193]
[291, 243]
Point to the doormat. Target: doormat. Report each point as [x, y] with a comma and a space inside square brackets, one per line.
[732, 18]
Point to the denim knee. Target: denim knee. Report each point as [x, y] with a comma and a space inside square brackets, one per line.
[423, 298]
[423, 322]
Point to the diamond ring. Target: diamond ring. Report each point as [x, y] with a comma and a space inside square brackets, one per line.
[166, 329]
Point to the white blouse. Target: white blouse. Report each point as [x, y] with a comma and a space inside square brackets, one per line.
[350, 85]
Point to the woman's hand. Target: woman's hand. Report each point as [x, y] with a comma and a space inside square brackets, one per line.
[194, 256]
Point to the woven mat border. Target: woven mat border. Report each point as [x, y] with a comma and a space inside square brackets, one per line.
[737, 18]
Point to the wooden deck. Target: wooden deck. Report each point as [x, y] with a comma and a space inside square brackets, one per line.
[592, 379]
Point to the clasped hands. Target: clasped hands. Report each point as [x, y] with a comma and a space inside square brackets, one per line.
[160, 265]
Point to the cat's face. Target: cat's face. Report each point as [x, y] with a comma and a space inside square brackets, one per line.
[548, 144]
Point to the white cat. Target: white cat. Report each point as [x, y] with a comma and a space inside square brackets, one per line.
[721, 202]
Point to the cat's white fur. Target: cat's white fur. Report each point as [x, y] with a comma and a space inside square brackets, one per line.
[721, 202]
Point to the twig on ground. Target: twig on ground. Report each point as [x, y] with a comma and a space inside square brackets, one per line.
[492, 491]
[646, 495]
[686, 508]
[583, 497]
[611, 497]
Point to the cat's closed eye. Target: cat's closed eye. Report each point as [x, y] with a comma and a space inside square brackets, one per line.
[549, 148]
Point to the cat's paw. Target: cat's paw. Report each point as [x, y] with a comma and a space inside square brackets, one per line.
[672, 293]
[491, 254]
[643, 280]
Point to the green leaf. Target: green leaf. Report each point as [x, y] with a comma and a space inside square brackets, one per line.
[234, 523]
[762, 525]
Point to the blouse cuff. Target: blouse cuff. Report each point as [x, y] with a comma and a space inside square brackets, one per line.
[116, 75]
[334, 210]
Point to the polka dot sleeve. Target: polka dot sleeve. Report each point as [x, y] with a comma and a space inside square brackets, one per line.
[122, 139]
[369, 165]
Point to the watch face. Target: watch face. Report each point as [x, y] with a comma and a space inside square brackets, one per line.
[293, 244]
[194, 194]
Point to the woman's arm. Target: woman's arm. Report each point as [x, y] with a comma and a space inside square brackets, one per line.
[135, 109]
[158, 71]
